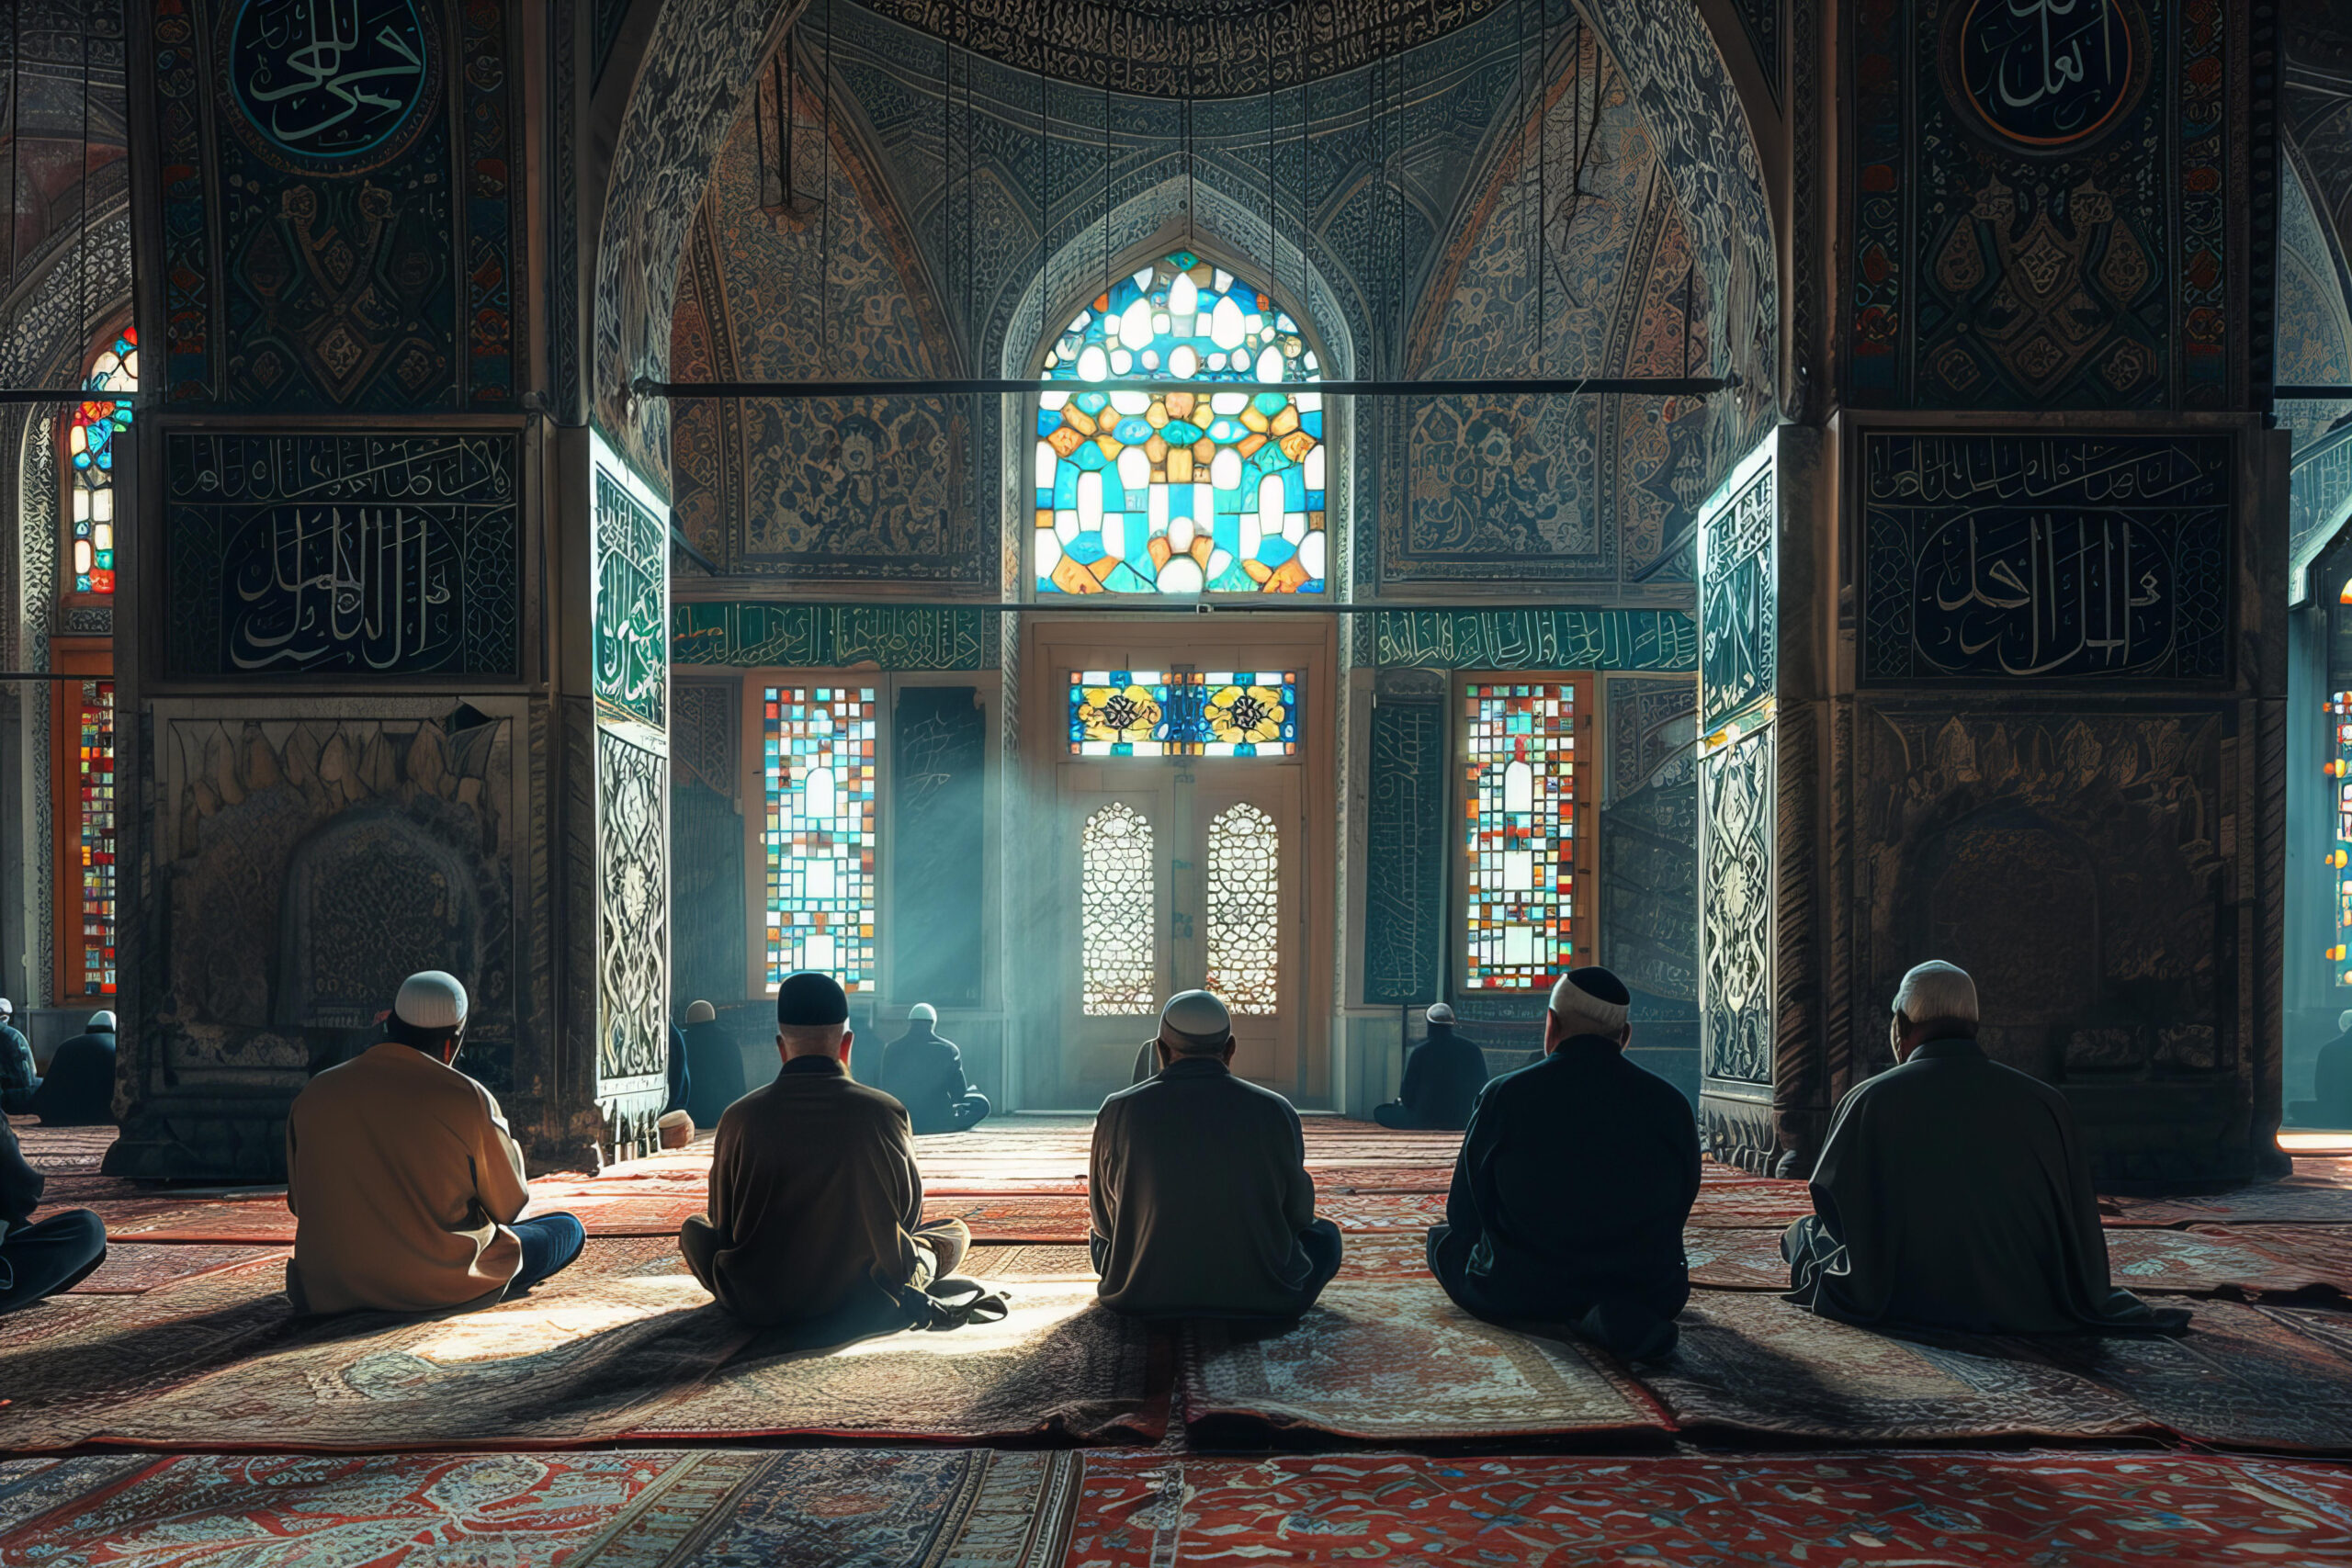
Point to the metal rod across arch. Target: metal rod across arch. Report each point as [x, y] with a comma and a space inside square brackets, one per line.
[1437, 387]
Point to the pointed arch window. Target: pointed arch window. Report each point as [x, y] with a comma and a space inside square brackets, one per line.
[96, 430]
[1176, 490]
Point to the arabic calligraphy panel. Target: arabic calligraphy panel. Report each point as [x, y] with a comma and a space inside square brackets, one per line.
[343, 554]
[1405, 845]
[2000, 556]
[631, 594]
[1738, 599]
[331, 84]
[1737, 910]
[2045, 75]
[1532, 639]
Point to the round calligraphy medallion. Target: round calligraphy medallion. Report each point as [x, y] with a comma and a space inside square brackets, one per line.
[2044, 75]
[331, 86]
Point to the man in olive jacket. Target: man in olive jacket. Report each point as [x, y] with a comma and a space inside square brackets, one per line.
[816, 1205]
[1200, 1200]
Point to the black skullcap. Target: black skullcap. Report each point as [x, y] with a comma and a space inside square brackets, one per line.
[810, 997]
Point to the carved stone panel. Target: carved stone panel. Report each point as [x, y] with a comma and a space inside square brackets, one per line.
[1738, 593]
[1737, 910]
[294, 553]
[632, 910]
[2011, 555]
[1405, 849]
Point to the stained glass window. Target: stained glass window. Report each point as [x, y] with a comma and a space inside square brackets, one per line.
[1155, 713]
[2339, 859]
[1520, 832]
[93, 433]
[97, 778]
[1180, 491]
[1118, 898]
[817, 760]
[1241, 910]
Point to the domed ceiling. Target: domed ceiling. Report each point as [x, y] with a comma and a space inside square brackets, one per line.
[1209, 48]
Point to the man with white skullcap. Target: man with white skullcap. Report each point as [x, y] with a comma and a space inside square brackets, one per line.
[20, 1078]
[1198, 1194]
[405, 1185]
[79, 1090]
[816, 1203]
[1952, 1191]
[923, 1071]
[1572, 1184]
[1443, 1074]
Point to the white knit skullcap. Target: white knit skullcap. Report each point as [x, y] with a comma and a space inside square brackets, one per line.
[102, 1020]
[1197, 1016]
[1440, 1013]
[2343, 1019]
[431, 999]
[922, 1013]
[1935, 991]
[6, 1005]
[701, 1012]
[1591, 999]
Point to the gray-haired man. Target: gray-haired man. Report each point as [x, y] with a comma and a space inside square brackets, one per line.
[1952, 1191]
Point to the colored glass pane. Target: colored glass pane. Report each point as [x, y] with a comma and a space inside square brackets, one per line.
[1154, 713]
[2340, 861]
[817, 762]
[1241, 910]
[95, 769]
[1118, 897]
[1180, 491]
[1520, 832]
[94, 432]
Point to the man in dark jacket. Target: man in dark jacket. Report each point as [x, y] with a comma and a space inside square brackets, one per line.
[2330, 1102]
[79, 1090]
[1952, 1191]
[1573, 1183]
[1199, 1198]
[39, 1260]
[923, 1071]
[1443, 1077]
[19, 1078]
[816, 1205]
[714, 1076]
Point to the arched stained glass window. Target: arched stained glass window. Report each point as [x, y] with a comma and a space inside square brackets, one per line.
[93, 431]
[1118, 898]
[1242, 909]
[1172, 491]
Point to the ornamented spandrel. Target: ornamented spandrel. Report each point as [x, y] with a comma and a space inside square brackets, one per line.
[1736, 909]
[633, 909]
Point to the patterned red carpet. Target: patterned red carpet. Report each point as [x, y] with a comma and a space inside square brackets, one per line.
[214, 1429]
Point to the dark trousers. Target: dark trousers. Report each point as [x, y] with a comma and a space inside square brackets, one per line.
[960, 1114]
[55, 1255]
[550, 1243]
[1620, 1321]
[1320, 1241]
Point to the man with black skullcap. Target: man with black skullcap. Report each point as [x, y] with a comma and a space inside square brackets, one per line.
[1572, 1184]
[816, 1205]
[1952, 1191]
[1201, 1205]
[924, 1071]
[404, 1183]
[1443, 1077]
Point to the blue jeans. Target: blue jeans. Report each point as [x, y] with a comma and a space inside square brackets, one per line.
[549, 1242]
[55, 1255]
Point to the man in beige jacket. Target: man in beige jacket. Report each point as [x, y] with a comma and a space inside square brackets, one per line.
[403, 1180]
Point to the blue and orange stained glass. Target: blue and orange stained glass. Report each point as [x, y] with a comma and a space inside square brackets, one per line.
[1518, 829]
[93, 433]
[817, 764]
[1179, 492]
[1155, 713]
[96, 780]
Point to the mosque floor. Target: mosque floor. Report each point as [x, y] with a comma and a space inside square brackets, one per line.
[171, 1414]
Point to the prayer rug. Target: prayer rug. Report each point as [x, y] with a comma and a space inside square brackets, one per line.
[258, 1221]
[2259, 1377]
[2318, 1255]
[1390, 1360]
[1057, 1365]
[2206, 1258]
[2278, 1204]
[59, 1150]
[1755, 1364]
[1051, 1219]
[133, 1269]
[1848, 1510]
[1750, 1205]
[1026, 1260]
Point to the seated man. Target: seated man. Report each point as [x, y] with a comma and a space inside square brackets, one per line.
[924, 1071]
[403, 1181]
[1443, 1077]
[79, 1090]
[39, 1260]
[1572, 1184]
[816, 1205]
[1200, 1201]
[1952, 1191]
[19, 1078]
[2331, 1103]
[714, 1078]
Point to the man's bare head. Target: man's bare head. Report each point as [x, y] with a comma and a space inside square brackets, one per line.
[1935, 1001]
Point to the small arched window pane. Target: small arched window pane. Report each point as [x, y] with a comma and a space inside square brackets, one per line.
[1180, 491]
[1118, 897]
[1242, 909]
[94, 432]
